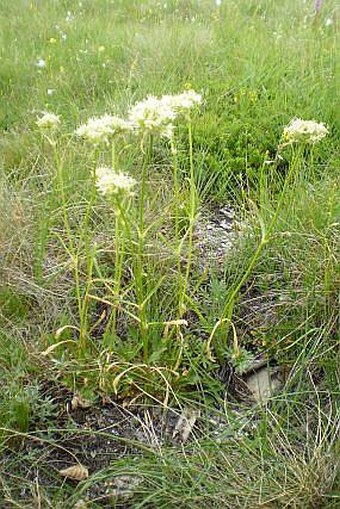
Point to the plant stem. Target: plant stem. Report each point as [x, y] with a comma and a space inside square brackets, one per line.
[71, 246]
[139, 272]
[121, 234]
[178, 244]
[192, 215]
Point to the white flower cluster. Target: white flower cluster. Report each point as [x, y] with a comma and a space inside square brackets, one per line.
[110, 182]
[48, 121]
[100, 130]
[305, 131]
[181, 103]
[153, 115]
[156, 115]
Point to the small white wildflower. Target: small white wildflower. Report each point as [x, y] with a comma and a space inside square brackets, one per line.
[41, 63]
[63, 37]
[48, 121]
[110, 182]
[307, 131]
[152, 115]
[99, 130]
[218, 3]
[50, 91]
[328, 22]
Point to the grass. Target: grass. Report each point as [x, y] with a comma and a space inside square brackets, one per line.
[112, 300]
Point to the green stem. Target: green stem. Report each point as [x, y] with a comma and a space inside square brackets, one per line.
[59, 164]
[113, 155]
[85, 238]
[178, 244]
[176, 189]
[263, 186]
[139, 273]
[71, 246]
[192, 215]
[119, 262]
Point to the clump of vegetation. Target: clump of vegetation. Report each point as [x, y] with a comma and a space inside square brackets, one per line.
[110, 299]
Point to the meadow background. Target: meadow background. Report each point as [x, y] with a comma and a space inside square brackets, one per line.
[95, 317]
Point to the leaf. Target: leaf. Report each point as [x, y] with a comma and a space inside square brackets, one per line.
[53, 347]
[263, 384]
[77, 472]
[65, 327]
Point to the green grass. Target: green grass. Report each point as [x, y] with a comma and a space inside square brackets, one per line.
[107, 304]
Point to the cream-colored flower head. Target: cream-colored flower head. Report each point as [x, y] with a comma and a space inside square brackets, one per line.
[100, 130]
[48, 121]
[152, 115]
[157, 116]
[304, 131]
[182, 102]
[109, 182]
